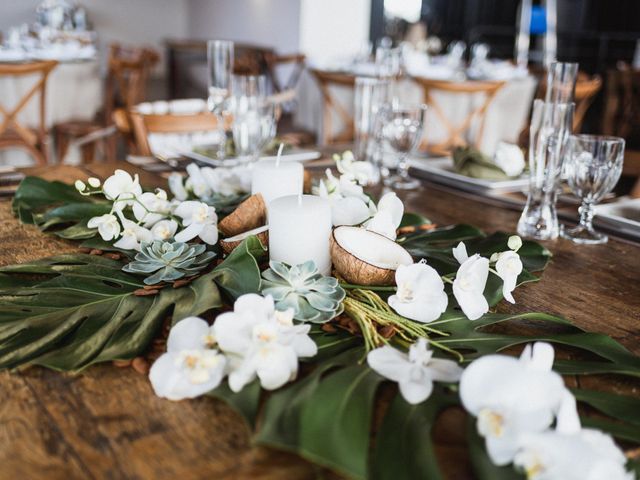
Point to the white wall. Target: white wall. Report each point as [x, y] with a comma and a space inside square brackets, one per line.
[271, 23]
[333, 28]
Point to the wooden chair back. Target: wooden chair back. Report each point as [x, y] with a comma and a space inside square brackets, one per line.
[140, 125]
[274, 61]
[457, 133]
[585, 92]
[331, 106]
[12, 132]
[128, 74]
[622, 117]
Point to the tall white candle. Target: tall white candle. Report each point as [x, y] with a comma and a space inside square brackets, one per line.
[299, 230]
[274, 179]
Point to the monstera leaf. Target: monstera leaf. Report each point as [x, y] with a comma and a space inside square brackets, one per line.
[70, 311]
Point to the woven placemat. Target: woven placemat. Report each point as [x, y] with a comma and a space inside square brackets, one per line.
[23, 243]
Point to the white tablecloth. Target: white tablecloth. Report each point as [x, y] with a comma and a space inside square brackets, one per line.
[74, 92]
[506, 116]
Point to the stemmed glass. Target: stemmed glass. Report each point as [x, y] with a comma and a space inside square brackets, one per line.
[402, 128]
[593, 167]
[253, 128]
[220, 67]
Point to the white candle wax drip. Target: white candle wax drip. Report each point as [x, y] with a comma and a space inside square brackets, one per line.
[299, 230]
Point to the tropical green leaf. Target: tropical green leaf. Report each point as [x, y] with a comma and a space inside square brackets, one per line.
[404, 448]
[621, 407]
[335, 422]
[410, 219]
[35, 194]
[71, 311]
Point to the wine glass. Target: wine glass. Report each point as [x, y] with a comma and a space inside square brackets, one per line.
[593, 167]
[253, 129]
[402, 130]
[247, 91]
[219, 67]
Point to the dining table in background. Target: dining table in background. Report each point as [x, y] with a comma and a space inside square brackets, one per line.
[105, 422]
[506, 116]
[74, 91]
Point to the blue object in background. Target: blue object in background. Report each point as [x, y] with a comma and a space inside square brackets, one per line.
[538, 20]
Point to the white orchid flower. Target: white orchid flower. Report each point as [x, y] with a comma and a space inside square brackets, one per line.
[191, 367]
[176, 185]
[509, 158]
[420, 295]
[164, 230]
[360, 172]
[509, 266]
[266, 342]
[108, 226]
[226, 181]
[570, 452]
[151, 207]
[511, 396]
[199, 219]
[460, 253]
[132, 235]
[514, 243]
[414, 372]
[349, 211]
[469, 284]
[388, 216]
[122, 186]
[196, 182]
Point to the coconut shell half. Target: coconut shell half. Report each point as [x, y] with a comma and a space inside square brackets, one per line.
[229, 244]
[250, 214]
[363, 257]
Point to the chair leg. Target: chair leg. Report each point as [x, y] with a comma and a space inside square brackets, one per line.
[88, 153]
[62, 145]
[635, 191]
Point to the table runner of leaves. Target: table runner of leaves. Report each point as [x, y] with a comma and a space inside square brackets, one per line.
[70, 311]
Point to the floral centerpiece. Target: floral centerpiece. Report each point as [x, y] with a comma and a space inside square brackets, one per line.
[409, 304]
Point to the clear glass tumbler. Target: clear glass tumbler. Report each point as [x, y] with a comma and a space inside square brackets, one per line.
[593, 167]
[549, 132]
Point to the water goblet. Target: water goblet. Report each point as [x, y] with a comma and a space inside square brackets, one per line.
[402, 130]
[253, 129]
[219, 67]
[593, 167]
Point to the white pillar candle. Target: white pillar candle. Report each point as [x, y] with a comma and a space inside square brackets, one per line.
[299, 230]
[274, 179]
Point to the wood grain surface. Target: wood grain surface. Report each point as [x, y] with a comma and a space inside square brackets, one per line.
[107, 423]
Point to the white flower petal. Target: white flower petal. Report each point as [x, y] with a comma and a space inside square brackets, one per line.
[392, 204]
[189, 233]
[188, 334]
[415, 392]
[390, 363]
[382, 223]
[349, 211]
[209, 234]
[460, 253]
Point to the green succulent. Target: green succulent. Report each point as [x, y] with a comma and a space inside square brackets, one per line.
[312, 296]
[170, 261]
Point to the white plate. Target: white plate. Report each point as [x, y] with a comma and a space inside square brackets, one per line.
[293, 155]
[441, 170]
[623, 214]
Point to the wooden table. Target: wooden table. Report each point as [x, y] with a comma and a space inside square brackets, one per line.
[107, 423]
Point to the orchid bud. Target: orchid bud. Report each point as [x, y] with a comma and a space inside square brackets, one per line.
[94, 182]
[514, 243]
[80, 186]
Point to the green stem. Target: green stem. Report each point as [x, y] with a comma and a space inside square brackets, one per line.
[350, 286]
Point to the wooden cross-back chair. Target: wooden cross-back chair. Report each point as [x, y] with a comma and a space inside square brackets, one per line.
[139, 125]
[274, 61]
[127, 77]
[622, 117]
[456, 132]
[12, 132]
[331, 105]
[586, 90]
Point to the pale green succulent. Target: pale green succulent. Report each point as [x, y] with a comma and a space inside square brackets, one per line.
[170, 261]
[312, 296]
